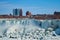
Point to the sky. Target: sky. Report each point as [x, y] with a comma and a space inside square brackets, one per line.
[34, 6]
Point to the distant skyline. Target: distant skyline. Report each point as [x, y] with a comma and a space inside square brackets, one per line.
[34, 6]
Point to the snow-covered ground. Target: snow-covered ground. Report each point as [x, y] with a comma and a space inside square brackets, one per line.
[26, 29]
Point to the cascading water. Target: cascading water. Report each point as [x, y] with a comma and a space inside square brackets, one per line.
[27, 29]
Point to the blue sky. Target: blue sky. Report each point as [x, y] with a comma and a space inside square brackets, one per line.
[34, 6]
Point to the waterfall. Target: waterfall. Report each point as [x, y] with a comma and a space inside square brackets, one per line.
[27, 28]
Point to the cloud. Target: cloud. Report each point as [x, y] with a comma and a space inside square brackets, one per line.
[3, 2]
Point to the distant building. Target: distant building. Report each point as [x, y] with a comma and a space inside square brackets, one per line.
[20, 12]
[56, 13]
[17, 12]
[28, 14]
